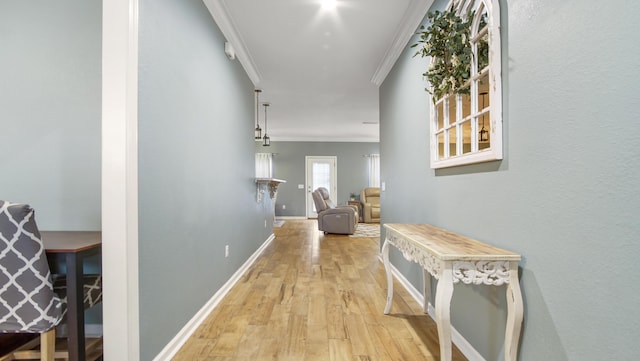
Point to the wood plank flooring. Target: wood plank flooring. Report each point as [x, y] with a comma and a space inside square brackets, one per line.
[311, 296]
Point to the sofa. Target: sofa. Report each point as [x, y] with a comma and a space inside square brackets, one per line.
[370, 199]
[332, 219]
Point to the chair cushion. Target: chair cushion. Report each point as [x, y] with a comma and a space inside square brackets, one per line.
[27, 300]
[375, 212]
[372, 192]
[373, 200]
[326, 197]
[371, 196]
[318, 201]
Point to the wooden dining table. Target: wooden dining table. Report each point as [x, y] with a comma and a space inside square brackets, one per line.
[71, 248]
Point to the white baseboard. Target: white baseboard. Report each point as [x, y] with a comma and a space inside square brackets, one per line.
[181, 337]
[463, 345]
[291, 217]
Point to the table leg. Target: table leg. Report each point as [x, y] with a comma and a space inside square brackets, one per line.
[387, 268]
[444, 292]
[515, 314]
[75, 308]
[426, 289]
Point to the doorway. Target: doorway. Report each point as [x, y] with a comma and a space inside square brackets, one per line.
[321, 171]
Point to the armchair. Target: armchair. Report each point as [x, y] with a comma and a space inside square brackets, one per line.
[370, 199]
[332, 219]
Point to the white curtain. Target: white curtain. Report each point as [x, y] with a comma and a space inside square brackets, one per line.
[264, 167]
[374, 170]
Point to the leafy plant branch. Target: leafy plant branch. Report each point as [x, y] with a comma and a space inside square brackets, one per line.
[446, 41]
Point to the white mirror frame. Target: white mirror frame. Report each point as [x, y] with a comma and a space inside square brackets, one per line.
[494, 151]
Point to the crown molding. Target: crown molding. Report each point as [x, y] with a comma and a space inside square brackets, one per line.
[222, 17]
[411, 19]
[326, 139]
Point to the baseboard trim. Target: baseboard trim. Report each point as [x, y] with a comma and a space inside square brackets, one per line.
[181, 337]
[463, 345]
[290, 217]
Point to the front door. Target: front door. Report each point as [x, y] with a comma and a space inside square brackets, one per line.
[321, 172]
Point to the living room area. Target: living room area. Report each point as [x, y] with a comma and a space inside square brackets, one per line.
[352, 173]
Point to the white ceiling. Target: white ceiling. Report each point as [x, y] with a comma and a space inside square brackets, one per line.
[320, 69]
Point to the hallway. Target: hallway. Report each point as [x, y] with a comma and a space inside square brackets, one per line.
[311, 296]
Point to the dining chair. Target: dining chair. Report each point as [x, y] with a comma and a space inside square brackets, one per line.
[31, 299]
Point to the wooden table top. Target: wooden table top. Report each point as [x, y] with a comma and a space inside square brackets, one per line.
[70, 241]
[447, 245]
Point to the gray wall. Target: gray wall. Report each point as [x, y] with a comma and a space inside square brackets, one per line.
[196, 195]
[196, 167]
[289, 164]
[565, 196]
[50, 61]
[50, 81]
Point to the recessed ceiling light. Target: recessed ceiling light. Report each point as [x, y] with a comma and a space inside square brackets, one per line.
[329, 4]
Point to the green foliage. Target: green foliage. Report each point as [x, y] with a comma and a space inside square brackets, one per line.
[446, 41]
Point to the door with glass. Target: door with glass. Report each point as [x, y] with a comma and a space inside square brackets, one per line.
[321, 172]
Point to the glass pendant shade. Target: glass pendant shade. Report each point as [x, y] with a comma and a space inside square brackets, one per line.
[258, 131]
[266, 141]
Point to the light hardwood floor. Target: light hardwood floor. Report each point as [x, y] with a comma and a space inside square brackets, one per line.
[311, 296]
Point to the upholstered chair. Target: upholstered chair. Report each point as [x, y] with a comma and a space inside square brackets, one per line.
[30, 301]
[332, 219]
[370, 198]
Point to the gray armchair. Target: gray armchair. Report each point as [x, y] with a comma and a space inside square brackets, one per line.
[332, 219]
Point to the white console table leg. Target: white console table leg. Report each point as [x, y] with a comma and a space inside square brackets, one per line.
[444, 292]
[387, 267]
[515, 313]
[426, 289]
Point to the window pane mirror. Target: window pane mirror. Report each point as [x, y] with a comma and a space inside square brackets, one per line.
[466, 121]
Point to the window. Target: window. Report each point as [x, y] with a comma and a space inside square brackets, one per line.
[374, 170]
[322, 176]
[264, 165]
[467, 128]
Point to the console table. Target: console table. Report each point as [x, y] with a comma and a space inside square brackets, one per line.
[451, 258]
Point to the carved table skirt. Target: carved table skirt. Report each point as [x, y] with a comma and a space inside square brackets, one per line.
[451, 258]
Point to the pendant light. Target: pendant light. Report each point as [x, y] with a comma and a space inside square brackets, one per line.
[258, 130]
[266, 141]
[484, 134]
